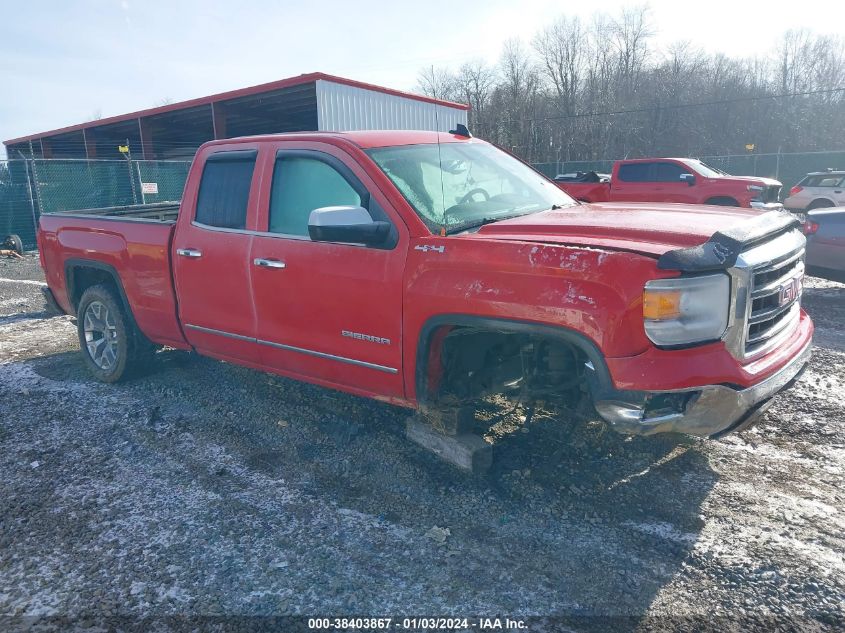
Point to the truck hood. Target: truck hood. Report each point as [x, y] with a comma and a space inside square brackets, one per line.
[751, 180]
[648, 228]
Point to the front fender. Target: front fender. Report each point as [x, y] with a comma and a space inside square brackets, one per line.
[592, 293]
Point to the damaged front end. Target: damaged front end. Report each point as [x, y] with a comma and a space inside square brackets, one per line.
[761, 324]
[709, 411]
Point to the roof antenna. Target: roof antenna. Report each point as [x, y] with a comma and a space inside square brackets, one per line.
[461, 130]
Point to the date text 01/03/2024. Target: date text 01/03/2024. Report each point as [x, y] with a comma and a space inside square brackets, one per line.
[423, 623]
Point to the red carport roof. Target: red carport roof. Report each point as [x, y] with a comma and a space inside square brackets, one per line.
[233, 94]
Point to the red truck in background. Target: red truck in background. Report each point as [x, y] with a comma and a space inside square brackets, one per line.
[429, 270]
[685, 180]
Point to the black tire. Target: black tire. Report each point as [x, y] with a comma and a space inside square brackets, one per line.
[13, 242]
[723, 202]
[820, 204]
[112, 345]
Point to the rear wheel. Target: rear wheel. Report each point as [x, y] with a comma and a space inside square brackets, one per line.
[819, 204]
[112, 345]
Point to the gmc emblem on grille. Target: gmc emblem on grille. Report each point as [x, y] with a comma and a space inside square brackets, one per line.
[789, 291]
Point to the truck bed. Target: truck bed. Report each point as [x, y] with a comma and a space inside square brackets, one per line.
[129, 246]
[586, 191]
[160, 211]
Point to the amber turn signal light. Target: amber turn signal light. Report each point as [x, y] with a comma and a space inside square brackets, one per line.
[659, 305]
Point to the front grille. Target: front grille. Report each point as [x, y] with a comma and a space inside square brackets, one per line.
[770, 193]
[775, 300]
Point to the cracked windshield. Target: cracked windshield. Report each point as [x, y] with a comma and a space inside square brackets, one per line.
[459, 186]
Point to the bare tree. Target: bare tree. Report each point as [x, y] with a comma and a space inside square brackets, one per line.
[474, 84]
[518, 96]
[562, 48]
[630, 33]
[435, 82]
[601, 89]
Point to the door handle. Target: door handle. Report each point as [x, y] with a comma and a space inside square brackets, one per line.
[268, 263]
[838, 191]
[189, 252]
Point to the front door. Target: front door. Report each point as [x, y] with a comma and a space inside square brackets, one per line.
[211, 253]
[668, 186]
[330, 312]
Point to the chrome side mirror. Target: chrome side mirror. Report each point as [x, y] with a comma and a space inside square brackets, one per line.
[348, 225]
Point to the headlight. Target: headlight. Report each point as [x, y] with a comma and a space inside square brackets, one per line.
[686, 309]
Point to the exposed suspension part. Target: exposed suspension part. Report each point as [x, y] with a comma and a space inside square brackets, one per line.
[478, 363]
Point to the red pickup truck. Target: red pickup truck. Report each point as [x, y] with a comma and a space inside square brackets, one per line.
[684, 180]
[429, 270]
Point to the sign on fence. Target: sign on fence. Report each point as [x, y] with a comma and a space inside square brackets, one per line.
[149, 187]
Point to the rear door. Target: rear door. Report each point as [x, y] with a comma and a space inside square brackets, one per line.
[329, 312]
[634, 182]
[835, 183]
[211, 253]
[826, 187]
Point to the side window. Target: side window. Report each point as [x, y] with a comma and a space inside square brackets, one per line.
[669, 172]
[224, 189]
[300, 185]
[635, 172]
[832, 180]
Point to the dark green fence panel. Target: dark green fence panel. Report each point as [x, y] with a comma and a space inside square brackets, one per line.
[17, 211]
[67, 185]
[166, 178]
[31, 187]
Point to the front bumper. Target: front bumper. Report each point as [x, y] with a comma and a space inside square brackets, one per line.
[707, 411]
[766, 206]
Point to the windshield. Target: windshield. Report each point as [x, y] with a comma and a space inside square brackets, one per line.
[456, 186]
[706, 170]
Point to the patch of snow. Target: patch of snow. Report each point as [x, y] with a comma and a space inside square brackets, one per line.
[663, 530]
[26, 282]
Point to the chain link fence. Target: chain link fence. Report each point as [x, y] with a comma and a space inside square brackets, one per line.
[29, 188]
[787, 168]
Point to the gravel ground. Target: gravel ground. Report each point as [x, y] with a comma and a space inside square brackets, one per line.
[206, 489]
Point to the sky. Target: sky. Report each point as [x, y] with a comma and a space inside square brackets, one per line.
[65, 62]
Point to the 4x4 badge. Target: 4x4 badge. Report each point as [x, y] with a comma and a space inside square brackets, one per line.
[427, 247]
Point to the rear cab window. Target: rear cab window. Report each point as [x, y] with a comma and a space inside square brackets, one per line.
[636, 172]
[224, 189]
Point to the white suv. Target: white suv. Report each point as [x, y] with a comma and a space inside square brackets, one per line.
[817, 190]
